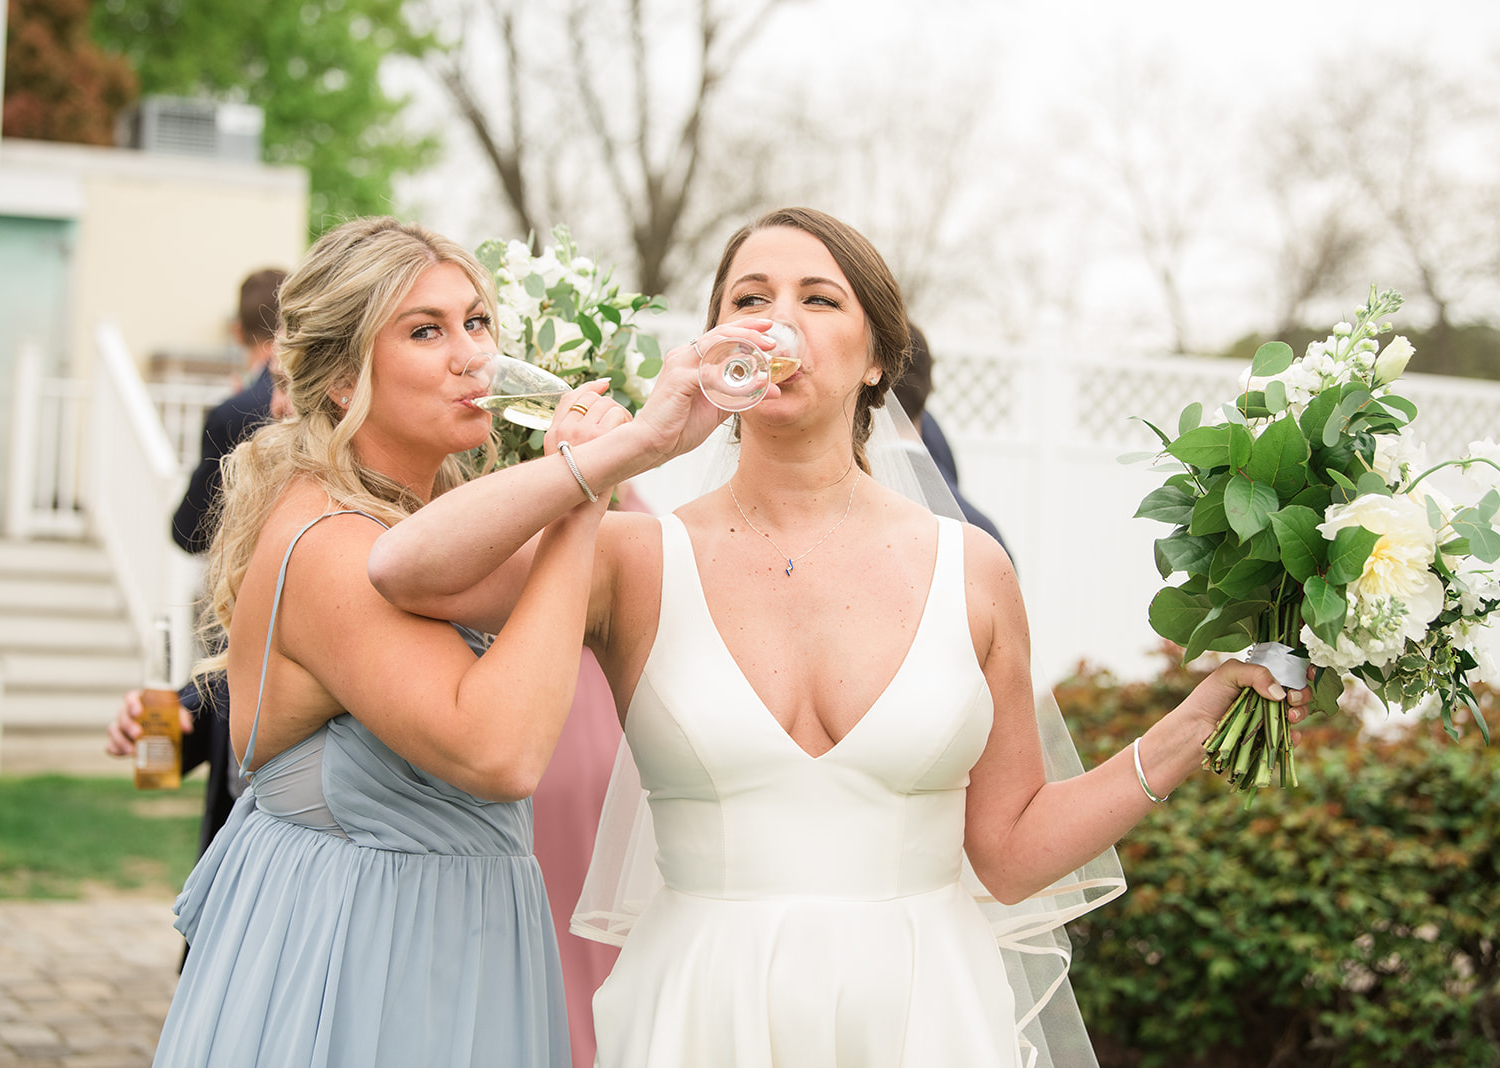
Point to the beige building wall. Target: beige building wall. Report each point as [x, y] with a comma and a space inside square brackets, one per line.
[162, 242]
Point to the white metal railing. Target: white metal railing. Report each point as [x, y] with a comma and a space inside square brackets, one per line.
[134, 483]
[47, 418]
[110, 457]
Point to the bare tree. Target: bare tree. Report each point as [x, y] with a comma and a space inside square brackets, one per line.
[1153, 146]
[1409, 156]
[609, 115]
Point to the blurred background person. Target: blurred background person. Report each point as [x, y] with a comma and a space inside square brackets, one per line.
[912, 389]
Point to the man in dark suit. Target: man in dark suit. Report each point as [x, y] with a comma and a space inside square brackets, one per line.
[912, 390]
[205, 737]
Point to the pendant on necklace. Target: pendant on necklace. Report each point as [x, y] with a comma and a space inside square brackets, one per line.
[789, 567]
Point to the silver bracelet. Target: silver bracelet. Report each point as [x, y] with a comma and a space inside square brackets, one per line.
[1140, 773]
[567, 454]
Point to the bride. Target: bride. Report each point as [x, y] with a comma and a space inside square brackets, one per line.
[826, 690]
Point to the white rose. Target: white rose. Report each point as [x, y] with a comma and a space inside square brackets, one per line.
[1390, 364]
[1400, 565]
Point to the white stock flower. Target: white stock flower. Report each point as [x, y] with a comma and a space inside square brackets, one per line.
[1482, 640]
[1481, 478]
[1399, 456]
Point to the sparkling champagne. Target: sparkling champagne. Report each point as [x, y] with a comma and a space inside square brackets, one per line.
[534, 410]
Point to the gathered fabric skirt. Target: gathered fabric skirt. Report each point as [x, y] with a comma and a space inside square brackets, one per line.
[808, 983]
[310, 949]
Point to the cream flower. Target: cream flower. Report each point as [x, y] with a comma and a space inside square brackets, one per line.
[1399, 568]
[1390, 364]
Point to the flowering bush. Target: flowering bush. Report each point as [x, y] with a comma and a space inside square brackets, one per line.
[560, 311]
[1304, 529]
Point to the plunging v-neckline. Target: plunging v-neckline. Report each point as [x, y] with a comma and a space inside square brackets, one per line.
[770, 717]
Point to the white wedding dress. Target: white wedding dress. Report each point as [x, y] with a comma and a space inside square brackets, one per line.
[813, 913]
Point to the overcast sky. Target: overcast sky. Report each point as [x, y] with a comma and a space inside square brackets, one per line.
[1045, 58]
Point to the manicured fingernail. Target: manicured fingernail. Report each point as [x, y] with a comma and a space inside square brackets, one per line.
[1277, 693]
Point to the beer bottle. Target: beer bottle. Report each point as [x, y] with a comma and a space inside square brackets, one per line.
[158, 751]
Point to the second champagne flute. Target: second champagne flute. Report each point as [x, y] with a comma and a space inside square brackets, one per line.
[735, 374]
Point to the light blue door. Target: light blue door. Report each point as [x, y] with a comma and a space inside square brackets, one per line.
[35, 258]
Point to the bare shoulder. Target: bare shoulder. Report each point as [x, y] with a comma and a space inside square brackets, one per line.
[997, 612]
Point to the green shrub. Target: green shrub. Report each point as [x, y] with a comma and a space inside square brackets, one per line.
[1353, 921]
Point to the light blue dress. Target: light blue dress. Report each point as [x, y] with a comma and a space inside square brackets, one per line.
[356, 911]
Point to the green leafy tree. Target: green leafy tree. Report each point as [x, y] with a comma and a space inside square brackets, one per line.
[60, 85]
[313, 66]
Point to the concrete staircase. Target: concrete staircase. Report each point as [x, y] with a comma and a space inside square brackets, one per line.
[67, 655]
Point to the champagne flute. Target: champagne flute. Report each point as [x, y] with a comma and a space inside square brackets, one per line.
[521, 392]
[734, 374]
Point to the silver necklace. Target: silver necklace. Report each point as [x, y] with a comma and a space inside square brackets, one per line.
[791, 561]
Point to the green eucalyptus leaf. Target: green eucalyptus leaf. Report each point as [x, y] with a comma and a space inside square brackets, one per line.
[1175, 614]
[1167, 504]
[1248, 505]
[1488, 505]
[1303, 551]
[1252, 405]
[650, 367]
[1317, 413]
[1317, 498]
[610, 312]
[1402, 405]
[1348, 553]
[1191, 418]
[1271, 359]
[1279, 458]
[1241, 444]
[1370, 483]
[1347, 490]
[1204, 447]
[1181, 551]
[1264, 546]
[535, 286]
[1208, 513]
[1224, 629]
[1327, 688]
[1484, 540]
[546, 337]
[491, 254]
[1276, 395]
[1323, 609]
[589, 328]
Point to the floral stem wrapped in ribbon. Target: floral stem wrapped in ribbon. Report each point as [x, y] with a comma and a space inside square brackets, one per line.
[1305, 530]
[560, 311]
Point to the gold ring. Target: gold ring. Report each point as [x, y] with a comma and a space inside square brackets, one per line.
[579, 407]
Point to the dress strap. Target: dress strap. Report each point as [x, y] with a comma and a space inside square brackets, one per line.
[265, 658]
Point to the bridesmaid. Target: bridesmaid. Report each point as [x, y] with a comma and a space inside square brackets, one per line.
[373, 899]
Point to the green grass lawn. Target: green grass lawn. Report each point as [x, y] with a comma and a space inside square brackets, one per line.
[63, 836]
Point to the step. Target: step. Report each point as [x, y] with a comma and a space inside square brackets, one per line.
[68, 558]
[54, 751]
[20, 633]
[79, 669]
[81, 711]
[61, 596]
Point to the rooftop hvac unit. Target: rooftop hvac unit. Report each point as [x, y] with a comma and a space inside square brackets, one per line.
[184, 126]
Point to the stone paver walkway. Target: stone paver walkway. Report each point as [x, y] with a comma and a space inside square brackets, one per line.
[85, 984]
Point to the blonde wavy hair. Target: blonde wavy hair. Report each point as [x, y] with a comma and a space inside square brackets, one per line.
[332, 307]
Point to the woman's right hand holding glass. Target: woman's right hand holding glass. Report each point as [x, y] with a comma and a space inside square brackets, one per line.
[678, 414]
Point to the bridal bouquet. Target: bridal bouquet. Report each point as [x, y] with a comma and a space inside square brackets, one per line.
[560, 311]
[1305, 529]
